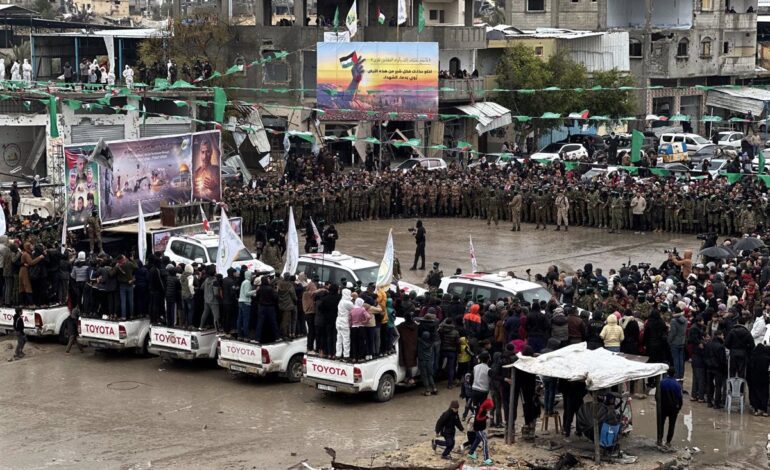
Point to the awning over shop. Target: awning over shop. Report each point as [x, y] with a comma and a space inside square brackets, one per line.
[599, 368]
[740, 100]
[490, 115]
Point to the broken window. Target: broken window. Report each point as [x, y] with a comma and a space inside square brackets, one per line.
[634, 48]
[682, 49]
[535, 5]
[705, 48]
[275, 71]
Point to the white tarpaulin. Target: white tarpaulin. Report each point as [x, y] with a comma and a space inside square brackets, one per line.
[599, 368]
[489, 115]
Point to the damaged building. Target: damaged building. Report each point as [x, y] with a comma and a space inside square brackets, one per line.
[675, 44]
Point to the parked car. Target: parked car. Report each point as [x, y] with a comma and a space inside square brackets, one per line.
[730, 139]
[553, 152]
[203, 248]
[429, 164]
[693, 142]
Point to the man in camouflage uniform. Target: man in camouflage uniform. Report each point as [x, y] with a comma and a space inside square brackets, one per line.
[94, 230]
[492, 203]
[515, 207]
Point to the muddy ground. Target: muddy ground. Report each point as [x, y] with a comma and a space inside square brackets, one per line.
[113, 411]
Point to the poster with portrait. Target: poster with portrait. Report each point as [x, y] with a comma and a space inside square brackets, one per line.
[81, 184]
[207, 158]
[147, 170]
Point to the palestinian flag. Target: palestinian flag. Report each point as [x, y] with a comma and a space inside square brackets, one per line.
[380, 16]
[581, 115]
[349, 60]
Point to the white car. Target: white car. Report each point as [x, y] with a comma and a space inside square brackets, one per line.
[693, 142]
[553, 152]
[38, 322]
[501, 160]
[730, 139]
[115, 334]
[429, 164]
[183, 343]
[336, 266]
[379, 375]
[203, 248]
[492, 287]
[246, 357]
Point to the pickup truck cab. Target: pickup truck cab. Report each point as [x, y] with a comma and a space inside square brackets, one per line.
[204, 247]
[38, 322]
[492, 287]
[379, 375]
[246, 357]
[115, 334]
[182, 343]
[335, 266]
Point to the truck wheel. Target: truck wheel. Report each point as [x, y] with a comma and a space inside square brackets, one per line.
[386, 388]
[64, 334]
[146, 344]
[294, 369]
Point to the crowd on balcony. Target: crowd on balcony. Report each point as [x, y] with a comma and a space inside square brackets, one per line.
[458, 74]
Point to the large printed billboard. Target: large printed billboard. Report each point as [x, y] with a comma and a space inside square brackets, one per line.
[376, 78]
[148, 170]
[207, 158]
[81, 184]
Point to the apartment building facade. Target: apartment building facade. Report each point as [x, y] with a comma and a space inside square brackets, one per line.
[675, 44]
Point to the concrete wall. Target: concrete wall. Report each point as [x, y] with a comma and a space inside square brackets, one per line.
[467, 59]
[583, 15]
[454, 11]
[16, 144]
[105, 7]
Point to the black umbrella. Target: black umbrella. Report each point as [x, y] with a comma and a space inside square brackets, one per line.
[718, 252]
[749, 243]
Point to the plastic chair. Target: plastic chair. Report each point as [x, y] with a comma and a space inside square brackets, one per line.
[735, 391]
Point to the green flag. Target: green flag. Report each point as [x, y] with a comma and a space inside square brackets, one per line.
[761, 169]
[336, 22]
[220, 101]
[52, 116]
[420, 19]
[637, 139]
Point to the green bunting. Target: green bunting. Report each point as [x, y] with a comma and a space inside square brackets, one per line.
[220, 101]
[52, 116]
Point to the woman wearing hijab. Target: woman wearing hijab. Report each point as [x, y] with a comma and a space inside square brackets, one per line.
[757, 377]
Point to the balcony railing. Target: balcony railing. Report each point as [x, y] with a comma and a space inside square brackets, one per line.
[741, 21]
[461, 89]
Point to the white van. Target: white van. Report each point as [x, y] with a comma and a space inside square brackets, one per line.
[692, 142]
[492, 287]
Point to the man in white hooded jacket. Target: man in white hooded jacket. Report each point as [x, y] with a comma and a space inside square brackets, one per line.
[343, 324]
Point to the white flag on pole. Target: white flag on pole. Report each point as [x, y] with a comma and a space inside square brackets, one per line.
[292, 246]
[3, 225]
[351, 21]
[63, 233]
[385, 273]
[229, 244]
[317, 236]
[474, 264]
[141, 242]
[401, 12]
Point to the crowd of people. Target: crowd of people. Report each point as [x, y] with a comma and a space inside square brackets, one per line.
[516, 193]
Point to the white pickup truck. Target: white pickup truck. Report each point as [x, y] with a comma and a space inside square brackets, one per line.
[115, 334]
[182, 343]
[282, 357]
[38, 322]
[379, 375]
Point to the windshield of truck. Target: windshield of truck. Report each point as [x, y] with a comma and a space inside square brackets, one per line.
[242, 255]
[367, 275]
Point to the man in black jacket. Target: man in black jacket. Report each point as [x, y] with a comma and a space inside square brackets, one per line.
[21, 338]
[740, 343]
[716, 368]
[445, 427]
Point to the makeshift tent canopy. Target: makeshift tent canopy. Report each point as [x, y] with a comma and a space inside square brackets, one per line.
[599, 368]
